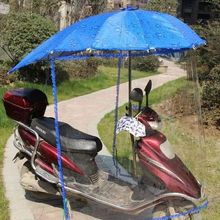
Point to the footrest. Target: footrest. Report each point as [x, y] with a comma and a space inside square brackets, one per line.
[47, 176]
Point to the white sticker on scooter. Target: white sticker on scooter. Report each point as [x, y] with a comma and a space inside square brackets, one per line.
[132, 125]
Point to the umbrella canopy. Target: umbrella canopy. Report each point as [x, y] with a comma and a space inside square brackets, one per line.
[129, 29]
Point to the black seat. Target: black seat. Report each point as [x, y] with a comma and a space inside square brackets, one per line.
[71, 139]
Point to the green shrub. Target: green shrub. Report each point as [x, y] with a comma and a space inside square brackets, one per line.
[150, 63]
[6, 79]
[211, 89]
[210, 97]
[3, 76]
[168, 6]
[209, 71]
[22, 32]
[109, 62]
[79, 69]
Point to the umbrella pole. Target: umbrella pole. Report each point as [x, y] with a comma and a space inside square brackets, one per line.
[130, 114]
[129, 84]
[58, 141]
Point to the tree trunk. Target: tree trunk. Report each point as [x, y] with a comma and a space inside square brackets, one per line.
[14, 5]
[195, 9]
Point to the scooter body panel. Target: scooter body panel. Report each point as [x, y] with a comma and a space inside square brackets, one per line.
[47, 152]
[172, 171]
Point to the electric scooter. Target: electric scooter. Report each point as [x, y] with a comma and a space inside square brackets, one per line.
[164, 177]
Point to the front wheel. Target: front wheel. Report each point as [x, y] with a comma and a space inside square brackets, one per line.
[173, 208]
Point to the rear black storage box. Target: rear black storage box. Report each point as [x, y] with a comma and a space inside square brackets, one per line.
[24, 104]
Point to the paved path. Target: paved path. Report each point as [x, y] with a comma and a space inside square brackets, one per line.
[84, 113]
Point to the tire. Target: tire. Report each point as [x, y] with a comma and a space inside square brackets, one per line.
[173, 208]
[40, 196]
[34, 186]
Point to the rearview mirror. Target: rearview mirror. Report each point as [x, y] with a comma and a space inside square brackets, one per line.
[136, 95]
[147, 91]
[148, 87]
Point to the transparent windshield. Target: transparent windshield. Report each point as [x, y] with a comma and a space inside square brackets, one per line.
[155, 165]
[151, 171]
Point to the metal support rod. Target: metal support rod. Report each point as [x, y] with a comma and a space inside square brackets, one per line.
[195, 78]
[130, 114]
[34, 153]
[129, 84]
[58, 141]
[134, 156]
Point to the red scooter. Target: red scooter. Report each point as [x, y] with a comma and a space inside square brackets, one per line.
[164, 178]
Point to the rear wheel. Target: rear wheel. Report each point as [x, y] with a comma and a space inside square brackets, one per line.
[174, 208]
[34, 186]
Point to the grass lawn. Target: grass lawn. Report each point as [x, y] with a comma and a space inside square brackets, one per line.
[201, 157]
[105, 77]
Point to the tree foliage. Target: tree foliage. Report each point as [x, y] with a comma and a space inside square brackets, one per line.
[149, 63]
[166, 6]
[50, 8]
[209, 70]
[20, 34]
[84, 8]
[42, 7]
[98, 6]
[23, 32]
[27, 27]
[45, 8]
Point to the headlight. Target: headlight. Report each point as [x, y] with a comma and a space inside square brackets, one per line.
[167, 150]
[155, 125]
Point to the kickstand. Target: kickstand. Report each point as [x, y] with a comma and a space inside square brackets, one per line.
[18, 156]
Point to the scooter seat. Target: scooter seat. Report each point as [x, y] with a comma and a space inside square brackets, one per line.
[71, 139]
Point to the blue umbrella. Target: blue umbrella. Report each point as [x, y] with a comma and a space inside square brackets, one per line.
[129, 29]
[127, 32]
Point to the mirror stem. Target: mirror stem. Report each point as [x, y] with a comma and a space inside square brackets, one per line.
[146, 100]
[139, 107]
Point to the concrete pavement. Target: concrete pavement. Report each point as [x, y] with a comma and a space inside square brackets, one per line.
[83, 113]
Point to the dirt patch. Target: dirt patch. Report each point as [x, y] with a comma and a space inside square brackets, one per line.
[183, 108]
